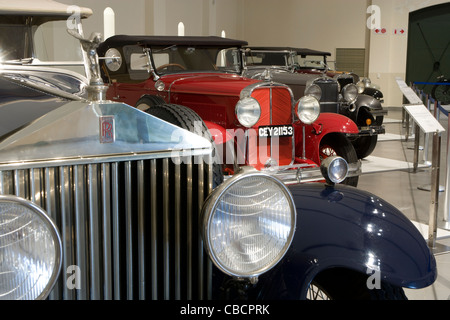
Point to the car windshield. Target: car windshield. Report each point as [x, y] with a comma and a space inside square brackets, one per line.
[49, 44]
[266, 58]
[175, 59]
[14, 43]
[310, 62]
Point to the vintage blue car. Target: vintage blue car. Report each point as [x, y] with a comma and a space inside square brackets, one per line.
[100, 200]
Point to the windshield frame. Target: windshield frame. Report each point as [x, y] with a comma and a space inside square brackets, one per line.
[30, 32]
[213, 51]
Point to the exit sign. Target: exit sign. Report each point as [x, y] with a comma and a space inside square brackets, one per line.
[380, 30]
[399, 31]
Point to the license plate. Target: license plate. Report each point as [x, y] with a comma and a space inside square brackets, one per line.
[276, 131]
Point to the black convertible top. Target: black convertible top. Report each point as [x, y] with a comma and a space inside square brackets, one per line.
[121, 40]
[299, 51]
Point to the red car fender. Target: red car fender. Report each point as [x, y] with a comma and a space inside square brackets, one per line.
[219, 134]
[224, 140]
[326, 123]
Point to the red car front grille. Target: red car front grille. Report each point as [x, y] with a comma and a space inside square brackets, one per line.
[276, 110]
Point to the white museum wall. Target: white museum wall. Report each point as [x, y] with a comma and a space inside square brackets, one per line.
[130, 16]
[319, 24]
[388, 52]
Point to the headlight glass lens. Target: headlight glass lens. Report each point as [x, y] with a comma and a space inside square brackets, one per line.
[334, 169]
[249, 227]
[314, 90]
[30, 251]
[350, 93]
[308, 109]
[367, 82]
[248, 112]
[113, 59]
[361, 86]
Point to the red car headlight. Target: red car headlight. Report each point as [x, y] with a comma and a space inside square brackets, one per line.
[248, 112]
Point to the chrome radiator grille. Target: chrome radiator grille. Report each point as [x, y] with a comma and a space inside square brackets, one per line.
[129, 228]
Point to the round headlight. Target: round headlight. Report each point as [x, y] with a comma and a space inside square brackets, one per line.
[308, 109]
[350, 93]
[113, 59]
[367, 82]
[361, 86]
[248, 224]
[248, 112]
[314, 90]
[334, 169]
[30, 250]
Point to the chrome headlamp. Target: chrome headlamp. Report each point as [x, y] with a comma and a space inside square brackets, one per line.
[308, 109]
[350, 93]
[334, 169]
[314, 90]
[361, 86]
[248, 111]
[248, 223]
[30, 250]
[113, 59]
[363, 83]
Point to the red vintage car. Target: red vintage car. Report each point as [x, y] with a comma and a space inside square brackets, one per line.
[306, 72]
[252, 122]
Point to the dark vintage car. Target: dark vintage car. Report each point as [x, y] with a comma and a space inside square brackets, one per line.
[99, 200]
[311, 61]
[252, 122]
[306, 72]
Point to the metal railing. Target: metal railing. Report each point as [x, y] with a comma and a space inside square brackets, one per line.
[438, 111]
[428, 123]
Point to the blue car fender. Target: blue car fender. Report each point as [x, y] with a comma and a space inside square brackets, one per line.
[344, 227]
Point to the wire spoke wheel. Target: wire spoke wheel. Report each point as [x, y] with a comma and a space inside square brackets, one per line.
[326, 151]
[316, 293]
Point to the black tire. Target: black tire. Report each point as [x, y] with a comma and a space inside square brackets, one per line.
[365, 145]
[349, 285]
[149, 101]
[338, 144]
[186, 118]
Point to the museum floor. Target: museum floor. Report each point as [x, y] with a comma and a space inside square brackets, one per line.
[389, 173]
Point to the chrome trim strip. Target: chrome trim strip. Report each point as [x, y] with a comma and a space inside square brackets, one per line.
[177, 204]
[94, 232]
[209, 265]
[101, 159]
[106, 223]
[116, 233]
[128, 231]
[200, 195]
[80, 231]
[190, 246]
[43, 182]
[141, 229]
[166, 230]
[154, 231]
[67, 225]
